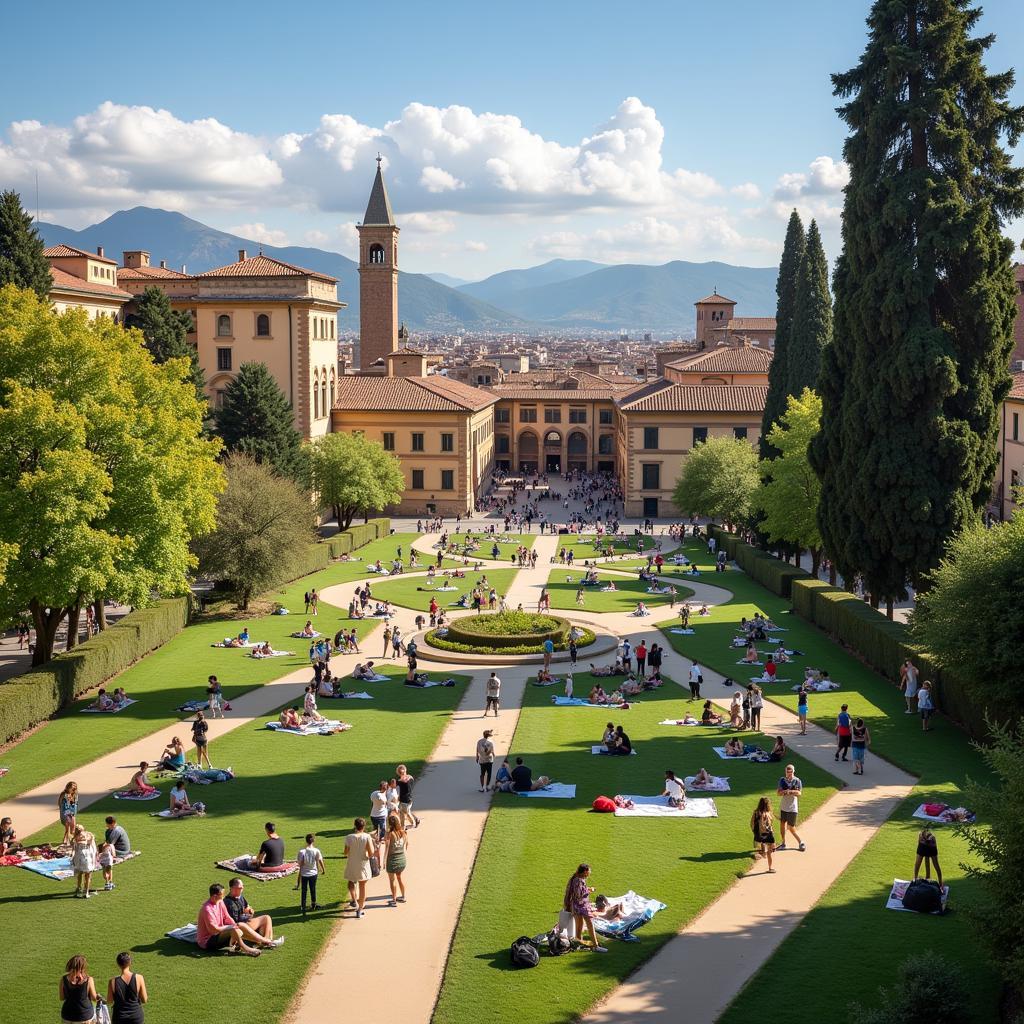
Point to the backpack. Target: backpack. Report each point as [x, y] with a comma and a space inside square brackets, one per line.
[923, 897]
[524, 952]
[604, 805]
[558, 942]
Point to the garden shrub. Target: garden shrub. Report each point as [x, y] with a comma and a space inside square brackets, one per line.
[446, 644]
[508, 629]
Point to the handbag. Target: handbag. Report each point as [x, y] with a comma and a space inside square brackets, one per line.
[375, 865]
[102, 1012]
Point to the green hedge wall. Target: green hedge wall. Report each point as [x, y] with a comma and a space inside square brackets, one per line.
[772, 573]
[30, 698]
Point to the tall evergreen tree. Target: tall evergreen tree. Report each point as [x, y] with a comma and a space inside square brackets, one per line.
[166, 332]
[22, 262]
[256, 419]
[912, 381]
[812, 317]
[785, 289]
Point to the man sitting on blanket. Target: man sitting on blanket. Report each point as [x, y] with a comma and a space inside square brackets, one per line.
[103, 702]
[289, 719]
[735, 748]
[215, 928]
[242, 913]
[606, 910]
[271, 855]
[522, 779]
[674, 790]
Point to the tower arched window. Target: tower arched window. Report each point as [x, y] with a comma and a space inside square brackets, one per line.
[323, 392]
[316, 396]
[262, 326]
[376, 253]
[331, 406]
[223, 326]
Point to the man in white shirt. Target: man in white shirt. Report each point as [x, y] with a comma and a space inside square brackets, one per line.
[493, 695]
[311, 866]
[674, 790]
[696, 678]
[788, 791]
[379, 808]
[485, 759]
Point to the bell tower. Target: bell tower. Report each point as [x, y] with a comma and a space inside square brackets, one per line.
[378, 278]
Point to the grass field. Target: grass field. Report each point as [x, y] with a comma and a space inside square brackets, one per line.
[531, 847]
[586, 546]
[410, 591]
[507, 544]
[854, 906]
[316, 783]
[177, 672]
[565, 581]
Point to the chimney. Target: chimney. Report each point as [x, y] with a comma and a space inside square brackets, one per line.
[163, 264]
[134, 258]
[241, 255]
[184, 270]
[99, 250]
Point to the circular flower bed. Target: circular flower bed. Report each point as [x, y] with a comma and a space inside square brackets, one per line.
[507, 632]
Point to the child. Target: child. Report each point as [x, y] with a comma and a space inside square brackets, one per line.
[105, 860]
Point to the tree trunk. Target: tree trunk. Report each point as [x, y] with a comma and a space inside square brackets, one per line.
[815, 561]
[100, 608]
[336, 509]
[74, 614]
[832, 576]
[888, 608]
[46, 621]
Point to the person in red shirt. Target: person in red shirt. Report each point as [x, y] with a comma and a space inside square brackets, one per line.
[216, 929]
[770, 669]
[641, 658]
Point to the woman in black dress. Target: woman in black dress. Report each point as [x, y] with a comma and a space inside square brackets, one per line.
[126, 993]
[77, 992]
[762, 825]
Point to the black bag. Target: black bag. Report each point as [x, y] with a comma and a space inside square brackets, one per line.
[558, 942]
[923, 897]
[524, 952]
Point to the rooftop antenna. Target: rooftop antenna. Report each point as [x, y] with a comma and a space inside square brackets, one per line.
[378, 160]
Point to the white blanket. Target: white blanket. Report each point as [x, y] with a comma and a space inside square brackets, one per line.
[658, 807]
[238, 647]
[899, 887]
[939, 819]
[677, 721]
[682, 632]
[110, 711]
[276, 654]
[822, 687]
[720, 751]
[599, 748]
[186, 933]
[554, 791]
[313, 729]
[354, 696]
[719, 784]
[769, 679]
[376, 678]
[749, 662]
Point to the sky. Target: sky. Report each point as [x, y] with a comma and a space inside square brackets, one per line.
[510, 133]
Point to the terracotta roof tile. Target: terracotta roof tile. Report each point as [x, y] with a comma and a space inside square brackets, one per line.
[745, 359]
[147, 273]
[265, 266]
[1017, 390]
[410, 394]
[664, 396]
[751, 323]
[715, 297]
[58, 251]
[63, 281]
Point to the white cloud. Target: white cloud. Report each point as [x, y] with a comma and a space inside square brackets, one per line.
[747, 191]
[259, 232]
[428, 223]
[824, 177]
[471, 246]
[316, 237]
[435, 180]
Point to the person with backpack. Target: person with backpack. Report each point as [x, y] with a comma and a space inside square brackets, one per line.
[577, 902]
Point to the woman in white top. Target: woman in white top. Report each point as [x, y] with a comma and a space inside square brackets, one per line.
[309, 709]
[360, 847]
[83, 860]
[674, 790]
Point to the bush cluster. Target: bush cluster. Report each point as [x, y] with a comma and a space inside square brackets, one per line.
[508, 629]
[488, 646]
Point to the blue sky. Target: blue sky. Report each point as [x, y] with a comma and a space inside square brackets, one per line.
[511, 132]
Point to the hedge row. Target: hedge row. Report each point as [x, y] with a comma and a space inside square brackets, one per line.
[772, 573]
[462, 631]
[30, 698]
[357, 536]
[444, 644]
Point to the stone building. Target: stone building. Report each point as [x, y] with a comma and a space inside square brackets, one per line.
[378, 277]
[85, 280]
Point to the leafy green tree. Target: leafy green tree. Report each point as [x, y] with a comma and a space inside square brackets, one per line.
[929, 989]
[257, 419]
[166, 332]
[788, 497]
[983, 571]
[22, 262]
[353, 475]
[105, 477]
[924, 291]
[264, 525]
[785, 290]
[718, 480]
[812, 317]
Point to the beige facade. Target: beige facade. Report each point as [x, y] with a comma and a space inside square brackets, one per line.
[86, 281]
[1010, 475]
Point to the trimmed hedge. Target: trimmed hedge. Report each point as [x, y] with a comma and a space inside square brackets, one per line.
[490, 632]
[772, 573]
[357, 536]
[444, 644]
[28, 699]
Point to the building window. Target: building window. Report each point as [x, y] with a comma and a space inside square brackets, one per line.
[223, 359]
[417, 442]
[501, 442]
[376, 254]
[502, 416]
[316, 399]
[263, 326]
[604, 417]
[223, 326]
[552, 415]
[605, 444]
[1016, 426]
[651, 438]
[332, 389]
[577, 415]
[700, 435]
[447, 479]
[528, 414]
[447, 442]
[740, 433]
[389, 441]
[218, 399]
[417, 479]
[651, 476]
[323, 393]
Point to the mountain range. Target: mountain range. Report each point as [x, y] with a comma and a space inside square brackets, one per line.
[557, 295]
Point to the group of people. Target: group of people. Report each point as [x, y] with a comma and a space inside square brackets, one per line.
[918, 694]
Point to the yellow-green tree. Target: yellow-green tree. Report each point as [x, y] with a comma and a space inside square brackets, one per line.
[353, 475]
[105, 475]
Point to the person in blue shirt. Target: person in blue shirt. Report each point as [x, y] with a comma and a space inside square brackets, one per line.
[549, 649]
[843, 733]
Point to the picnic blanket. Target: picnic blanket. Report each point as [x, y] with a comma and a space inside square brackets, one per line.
[3, 772]
[578, 702]
[636, 912]
[128, 794]
[750, 662]
[822, 687]
[375, 678]
[192, 706]
[899, 889]
[109, 711]
[325, 728]
[59, 869]
[197, 776]
[769, 679]
[554, 791]
[748, 756]
[682, 632]
[600, 748]
[946, 817]
[243, 865]
[719, 784]
[363, 695]
[186, 933]
[430, 682]
[306, 636]
[676, 721]
[168, 813]
[237, 647]
[276, 654]
[659, 807]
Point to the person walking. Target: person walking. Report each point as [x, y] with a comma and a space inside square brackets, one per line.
[789, 790]
[314, 603]
[200, 728]
[67, 808]
[77, 992]
[908, 684]
[396, 642]
[360, 847]
[311, 867]
[126, 993]
[493, 698]
[405, 787]
[843, 733]
[696, 678]
[573, 650]
[215, 697]
[762, 825]
[654, 658]
[397, 843]
[83, 860]
[387, 640]
[926, 705]
[305, 598]
[379, 808]
[801, 709]
[485, 759]
[861, 740]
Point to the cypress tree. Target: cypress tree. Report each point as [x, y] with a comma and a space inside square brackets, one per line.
[22, 262]
[812, 317]
[912, 381]
[257, 419]
[166, 331]
[785, 289]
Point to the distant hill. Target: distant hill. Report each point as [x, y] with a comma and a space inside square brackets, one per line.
[448, 280]
[423, 304]
[499, 289]
[560, 294]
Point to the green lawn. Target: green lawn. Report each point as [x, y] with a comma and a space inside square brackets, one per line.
[854, 906]
[507, 543]
[565, 581]
[177, 672]
[586, 546]
[409, 591]
[302, 784]
[530, 848]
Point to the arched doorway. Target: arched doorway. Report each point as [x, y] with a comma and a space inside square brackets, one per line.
[552, 452]
[578, 450]
[528, 452]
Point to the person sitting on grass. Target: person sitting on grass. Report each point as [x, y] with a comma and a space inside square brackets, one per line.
[606, 910]
[597, 695]
[751, 657]
[328, 686]
[522, 779]
[605, 670]
[242, 913]
[704, 610]
[180, 805]
[608, 739]
[140, 783]
[702, 779]
[215, 928]
[674, 790]
[641, 609]
[631, 687]
[545, 678]
[503, 779]
[289, 719]
[103, 702]
[654, 680]
[310, 713]
[709, 716]
[8, 838]
[173, 757]
[779, 750]
[265, 650]
[734, 747]
[609, 587]
[307, 629]
[271, 853]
